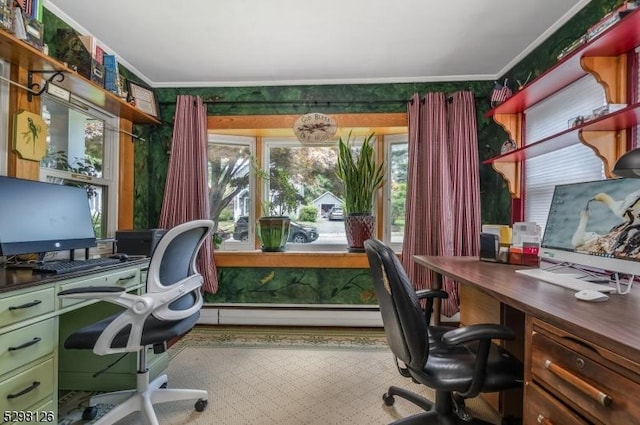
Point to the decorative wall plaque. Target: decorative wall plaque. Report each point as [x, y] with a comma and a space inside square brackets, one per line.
[30, 136]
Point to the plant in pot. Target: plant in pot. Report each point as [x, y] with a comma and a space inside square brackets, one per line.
[274, 225]
[361, 176]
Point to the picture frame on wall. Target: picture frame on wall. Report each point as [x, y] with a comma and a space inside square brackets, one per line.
[143, 98]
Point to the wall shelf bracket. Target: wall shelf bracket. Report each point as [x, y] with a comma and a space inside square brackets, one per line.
[35, 88]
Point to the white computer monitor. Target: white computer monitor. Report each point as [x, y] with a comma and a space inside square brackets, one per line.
[595, 224]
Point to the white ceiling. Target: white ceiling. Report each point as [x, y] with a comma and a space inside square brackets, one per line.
[200, 43]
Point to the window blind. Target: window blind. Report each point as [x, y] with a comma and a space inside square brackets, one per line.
[575, 163]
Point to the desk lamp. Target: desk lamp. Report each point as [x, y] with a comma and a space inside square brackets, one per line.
[628, 165]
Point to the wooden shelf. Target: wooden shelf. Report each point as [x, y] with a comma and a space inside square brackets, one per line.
[619, 120]
[614, 41]
[22, 54]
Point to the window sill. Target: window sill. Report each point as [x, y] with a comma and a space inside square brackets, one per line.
[309, 259]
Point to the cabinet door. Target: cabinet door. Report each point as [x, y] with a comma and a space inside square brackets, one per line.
[542, 408]
[586, 383]
[24, 345]
[16, 308]
[27, 388]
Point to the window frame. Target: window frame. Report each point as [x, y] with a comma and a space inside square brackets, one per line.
[251, 142]
[389, 140]
[4, 116]
[110, 161]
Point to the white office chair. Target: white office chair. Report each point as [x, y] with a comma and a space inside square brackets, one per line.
[169, 308]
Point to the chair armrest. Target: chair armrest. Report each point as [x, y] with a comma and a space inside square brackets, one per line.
[479, 332]
[483, 333]
[431, 293]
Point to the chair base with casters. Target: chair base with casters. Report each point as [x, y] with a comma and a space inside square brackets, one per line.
[446, 410]
[142, 399]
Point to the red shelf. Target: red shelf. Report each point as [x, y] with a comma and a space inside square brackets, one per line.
[614, 41]
[619, 120]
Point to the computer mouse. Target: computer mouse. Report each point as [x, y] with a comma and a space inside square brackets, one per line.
[591, 295]
[120, 256]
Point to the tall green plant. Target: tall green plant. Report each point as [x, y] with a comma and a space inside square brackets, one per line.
[359, 173]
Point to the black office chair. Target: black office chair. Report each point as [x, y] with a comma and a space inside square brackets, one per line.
[170, 307]
[459, 363]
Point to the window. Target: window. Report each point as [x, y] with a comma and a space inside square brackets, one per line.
[395, 189]
[298, 181]
[231, 190]
[82, 150]
[303, 184]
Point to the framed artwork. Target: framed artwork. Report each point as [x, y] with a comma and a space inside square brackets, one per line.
[143, 98]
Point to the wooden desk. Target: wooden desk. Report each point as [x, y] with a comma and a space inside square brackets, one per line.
[571, 348]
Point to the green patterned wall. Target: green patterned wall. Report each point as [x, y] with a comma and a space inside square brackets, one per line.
[293, 286]
[332, 286]
[545, 56]
[152, 171]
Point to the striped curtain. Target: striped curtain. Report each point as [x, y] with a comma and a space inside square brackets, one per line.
[186, 195]
[443, 190]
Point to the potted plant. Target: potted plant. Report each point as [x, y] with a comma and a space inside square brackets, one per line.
[361, 176]
[274, 225]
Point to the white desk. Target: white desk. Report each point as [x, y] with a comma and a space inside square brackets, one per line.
[33, 325]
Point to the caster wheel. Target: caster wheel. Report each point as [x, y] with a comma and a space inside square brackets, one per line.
[200, 405]
[90, 413]
[388, 399]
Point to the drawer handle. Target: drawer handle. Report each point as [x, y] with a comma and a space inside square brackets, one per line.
[544, 421]
[27, 390]
[35, 340]
[27, 305]
[578, 383]
[123, 279]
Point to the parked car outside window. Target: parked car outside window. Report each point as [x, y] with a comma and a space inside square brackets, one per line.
[298, 233]
[336, 213]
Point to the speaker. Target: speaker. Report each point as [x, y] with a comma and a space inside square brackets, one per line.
[489, 247]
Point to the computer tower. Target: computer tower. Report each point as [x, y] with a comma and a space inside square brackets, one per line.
[138, 241]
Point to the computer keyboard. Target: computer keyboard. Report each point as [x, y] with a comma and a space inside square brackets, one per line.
[59, 267]
[566, 281]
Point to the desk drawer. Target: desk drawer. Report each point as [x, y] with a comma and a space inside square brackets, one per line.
[541, 406]
[123, 278]
[27, 388]
[24, 306]
[19, 347]
[585, 384]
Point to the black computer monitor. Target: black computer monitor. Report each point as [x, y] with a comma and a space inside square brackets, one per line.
[38, 217]
[595, 224]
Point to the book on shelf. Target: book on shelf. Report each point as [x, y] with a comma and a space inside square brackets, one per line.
[99, 57]
[110, 73]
